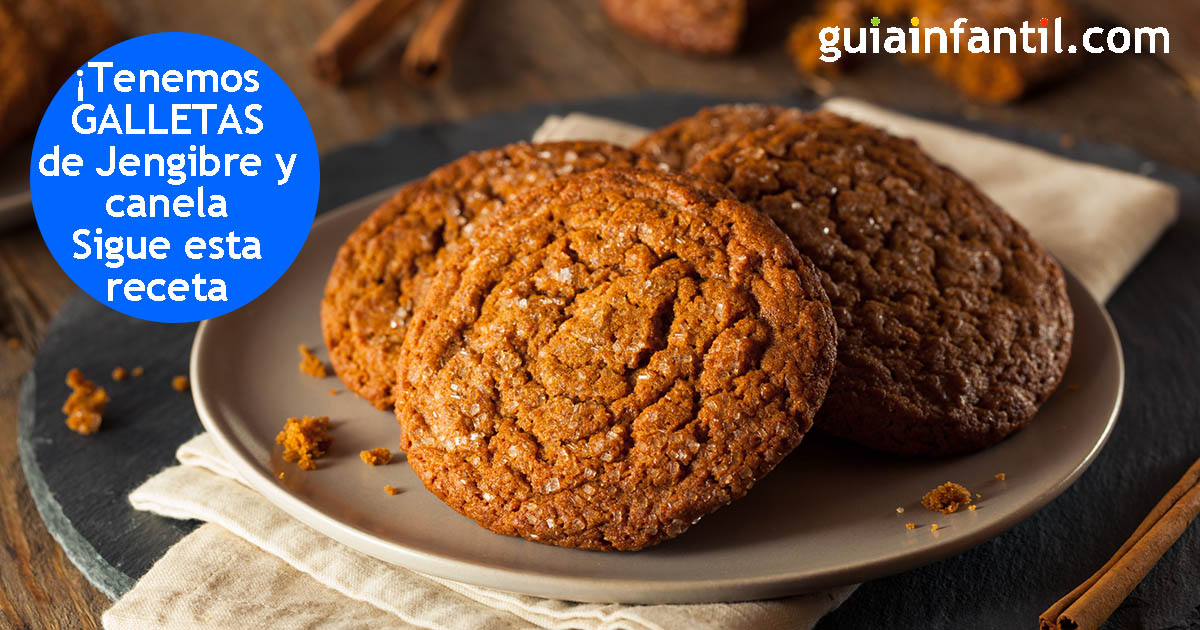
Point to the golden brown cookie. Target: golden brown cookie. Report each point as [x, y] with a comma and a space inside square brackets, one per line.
[953, 324]
[683, 142]
[379, 273]
[624, 353]
[25, 89]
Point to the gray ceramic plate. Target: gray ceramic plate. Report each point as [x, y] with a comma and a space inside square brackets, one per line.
[826, 516]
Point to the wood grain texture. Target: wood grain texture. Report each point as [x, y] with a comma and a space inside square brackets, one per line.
[1180, 17]
[576, 54]
[1141, 101]
[39, 588]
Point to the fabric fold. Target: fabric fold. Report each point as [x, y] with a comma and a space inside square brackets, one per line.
[204, 489]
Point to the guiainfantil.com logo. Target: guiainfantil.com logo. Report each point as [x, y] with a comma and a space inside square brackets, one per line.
[960, 38]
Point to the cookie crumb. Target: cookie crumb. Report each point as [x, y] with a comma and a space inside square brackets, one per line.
[946, 498]
[281, 476]
[14, 343]
[978, 496]
[971, 508]
[376, 456]
[310, 364]
[85, 404]
[910, 525]
[933, 528]
[1001, 476]
[334, 392]
[138, 371]
[180, 383]
[119, 374]
[899, 510]
[390, 490]
[304, 440]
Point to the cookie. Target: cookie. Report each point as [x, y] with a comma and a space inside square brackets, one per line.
[953, 324]
[683, 142]
[694, 26]
[42, 42]
[379, 273]
[625, 352]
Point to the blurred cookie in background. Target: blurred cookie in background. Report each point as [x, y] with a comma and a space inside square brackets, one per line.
[712, 27]
[993, 77]
[41, 43]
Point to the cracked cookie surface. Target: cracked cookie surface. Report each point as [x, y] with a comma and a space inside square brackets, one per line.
[684, 142]
[953, 324]
[625, 352]
[379, 274]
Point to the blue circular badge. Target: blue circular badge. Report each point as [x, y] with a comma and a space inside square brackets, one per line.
[174, 177]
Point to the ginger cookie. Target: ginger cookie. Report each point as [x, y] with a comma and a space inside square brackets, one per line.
[953, 324]
[624, 353]
[683, 142]
[379, 273]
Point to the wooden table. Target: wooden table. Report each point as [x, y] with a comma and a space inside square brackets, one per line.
[515, 52]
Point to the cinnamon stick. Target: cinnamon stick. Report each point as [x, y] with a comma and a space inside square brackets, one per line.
[352, 34]
[427, 56]
[1095, 600]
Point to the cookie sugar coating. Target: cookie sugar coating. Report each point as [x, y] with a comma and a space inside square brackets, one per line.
[682, 143]
[624, 353]
[954, 325]
[380, 271]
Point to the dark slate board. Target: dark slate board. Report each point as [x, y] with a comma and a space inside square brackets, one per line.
[80, 484]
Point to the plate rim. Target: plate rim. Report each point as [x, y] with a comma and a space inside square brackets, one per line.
[632, 590]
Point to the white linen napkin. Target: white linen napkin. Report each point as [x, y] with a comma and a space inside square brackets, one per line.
[252, 561]
[253, 565]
